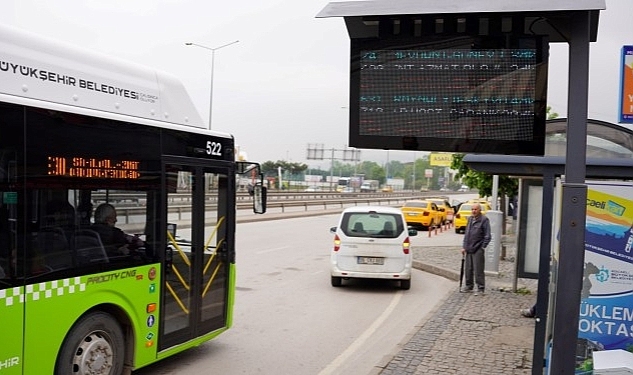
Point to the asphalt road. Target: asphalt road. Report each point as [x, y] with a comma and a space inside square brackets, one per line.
[290, 320]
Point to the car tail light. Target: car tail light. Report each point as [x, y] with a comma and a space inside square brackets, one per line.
[426, 213]
[458, 216]
[337, 242]
[405, 245]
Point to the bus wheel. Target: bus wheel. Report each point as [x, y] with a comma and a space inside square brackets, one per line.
[94, 345]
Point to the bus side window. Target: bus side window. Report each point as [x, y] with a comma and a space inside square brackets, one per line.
[89, 248]
[50, 248]
[6, 253]
[54, 248]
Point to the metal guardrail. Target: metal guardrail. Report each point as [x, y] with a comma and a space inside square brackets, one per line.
[275, 201]
[135, 199]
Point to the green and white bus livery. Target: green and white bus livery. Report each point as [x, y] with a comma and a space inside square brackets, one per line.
[117, 213]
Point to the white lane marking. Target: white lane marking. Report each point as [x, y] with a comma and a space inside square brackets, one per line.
[358, 343]
[272, 250]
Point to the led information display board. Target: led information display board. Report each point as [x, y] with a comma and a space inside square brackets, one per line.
[449, 93]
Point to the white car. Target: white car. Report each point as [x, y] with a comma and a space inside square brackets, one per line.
[372, 242]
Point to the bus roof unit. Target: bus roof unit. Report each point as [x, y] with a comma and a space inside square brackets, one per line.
[59, 75]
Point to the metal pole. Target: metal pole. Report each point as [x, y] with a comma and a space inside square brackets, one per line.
[212, 72]
[413, 178]
[387, 169]
[211, 89]
[572, 233]
[331, 169]
[495, 191]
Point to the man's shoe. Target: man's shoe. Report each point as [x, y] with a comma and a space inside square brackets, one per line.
[527, 313]
[466, 290]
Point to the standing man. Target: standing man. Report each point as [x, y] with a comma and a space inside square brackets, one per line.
[476, 238]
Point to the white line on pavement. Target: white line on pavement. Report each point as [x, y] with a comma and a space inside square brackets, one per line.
[357, 344]
[272, 250]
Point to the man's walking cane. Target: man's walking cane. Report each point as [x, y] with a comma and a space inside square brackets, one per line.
[461, 273]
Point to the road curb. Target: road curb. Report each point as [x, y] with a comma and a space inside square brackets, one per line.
[439, 271]
[286, 215]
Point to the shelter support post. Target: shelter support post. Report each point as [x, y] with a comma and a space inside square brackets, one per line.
[572, 236]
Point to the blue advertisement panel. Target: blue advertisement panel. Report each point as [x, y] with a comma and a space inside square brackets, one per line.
[606, 308]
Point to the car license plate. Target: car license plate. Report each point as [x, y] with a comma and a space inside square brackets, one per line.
[411, 213]
[371, 260]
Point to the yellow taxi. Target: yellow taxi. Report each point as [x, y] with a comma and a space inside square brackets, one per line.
[421, 213]
[479, 200]
[465, 210]
[446, 210]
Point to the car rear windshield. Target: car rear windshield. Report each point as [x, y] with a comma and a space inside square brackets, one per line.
[416, 204]
[372, 224]
[466, 207]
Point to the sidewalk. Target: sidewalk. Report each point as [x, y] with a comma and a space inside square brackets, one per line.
[465, 334]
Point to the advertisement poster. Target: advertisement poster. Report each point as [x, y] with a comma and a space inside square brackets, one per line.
[626, 94]
[606, 307]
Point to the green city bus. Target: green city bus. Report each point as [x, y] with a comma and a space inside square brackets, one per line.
[80, 133]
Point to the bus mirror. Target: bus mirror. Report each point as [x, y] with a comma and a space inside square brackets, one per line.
[259, 199]
[243, 167]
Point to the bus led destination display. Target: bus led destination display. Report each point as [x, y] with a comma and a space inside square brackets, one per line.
[92, 168]
[463, 94]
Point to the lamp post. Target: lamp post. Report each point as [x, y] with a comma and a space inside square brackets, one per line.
[212, 67]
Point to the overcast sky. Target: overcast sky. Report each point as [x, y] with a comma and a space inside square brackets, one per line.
[285, 83]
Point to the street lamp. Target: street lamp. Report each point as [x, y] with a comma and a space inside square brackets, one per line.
[212, 67]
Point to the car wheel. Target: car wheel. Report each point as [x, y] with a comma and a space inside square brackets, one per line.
[337, 281]
[95, 345]
[457, 230]
[405, 284]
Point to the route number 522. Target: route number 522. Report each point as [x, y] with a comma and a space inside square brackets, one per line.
[214, 148]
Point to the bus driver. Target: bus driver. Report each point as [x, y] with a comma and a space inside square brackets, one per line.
[115, 241]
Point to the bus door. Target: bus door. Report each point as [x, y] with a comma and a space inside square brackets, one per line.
[198, 262]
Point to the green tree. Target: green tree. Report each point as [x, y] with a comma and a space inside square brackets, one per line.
[269, 168]
[371, 171]
[408, 173]
[343, 169]
[396, 169]
[483, 181]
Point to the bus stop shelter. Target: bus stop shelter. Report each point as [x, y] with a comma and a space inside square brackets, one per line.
[568, 21]
[609, 157]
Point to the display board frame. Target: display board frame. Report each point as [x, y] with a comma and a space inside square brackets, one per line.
[432, 119]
